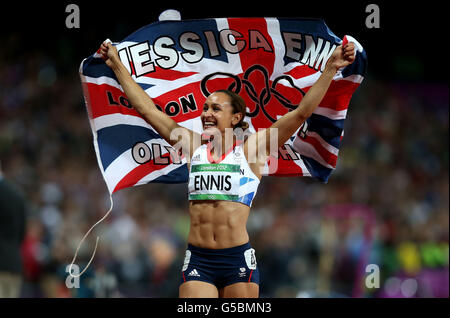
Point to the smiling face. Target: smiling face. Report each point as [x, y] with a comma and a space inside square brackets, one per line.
[218, 113]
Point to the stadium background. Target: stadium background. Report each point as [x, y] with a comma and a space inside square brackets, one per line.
[386, 203]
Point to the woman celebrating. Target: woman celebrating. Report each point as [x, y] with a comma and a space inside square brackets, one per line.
[224, 175]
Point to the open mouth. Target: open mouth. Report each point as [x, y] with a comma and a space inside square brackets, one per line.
[209, 124]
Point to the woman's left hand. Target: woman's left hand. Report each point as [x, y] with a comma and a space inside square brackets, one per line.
[342, 56]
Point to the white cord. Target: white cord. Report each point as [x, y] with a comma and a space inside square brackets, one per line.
[96, 242]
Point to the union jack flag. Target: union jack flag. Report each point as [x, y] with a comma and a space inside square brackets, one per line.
[270, 62]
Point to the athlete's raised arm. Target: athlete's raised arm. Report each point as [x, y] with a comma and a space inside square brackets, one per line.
[142, 103]
[288, 124]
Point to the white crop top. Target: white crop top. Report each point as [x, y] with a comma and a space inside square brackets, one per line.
[229, 179]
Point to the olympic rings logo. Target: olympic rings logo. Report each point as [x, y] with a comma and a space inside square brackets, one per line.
[266, 93]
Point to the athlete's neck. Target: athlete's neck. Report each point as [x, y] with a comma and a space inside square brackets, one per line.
[220, 146]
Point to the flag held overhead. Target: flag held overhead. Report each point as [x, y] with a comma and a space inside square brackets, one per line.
[270, 62]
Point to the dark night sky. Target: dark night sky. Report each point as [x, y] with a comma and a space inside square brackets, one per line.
[403, 48]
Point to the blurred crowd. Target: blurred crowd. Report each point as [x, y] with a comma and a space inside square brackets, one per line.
[386, 204]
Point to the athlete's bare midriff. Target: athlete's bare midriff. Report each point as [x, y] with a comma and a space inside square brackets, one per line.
[218, 224]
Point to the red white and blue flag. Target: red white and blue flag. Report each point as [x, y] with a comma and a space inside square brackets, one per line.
[270, 62]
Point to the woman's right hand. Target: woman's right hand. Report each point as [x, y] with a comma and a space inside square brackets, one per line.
[109, 54]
